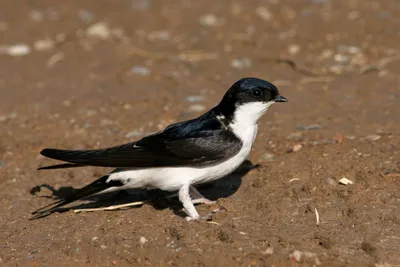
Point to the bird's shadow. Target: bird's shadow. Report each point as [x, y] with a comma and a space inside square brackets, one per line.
[159, 199]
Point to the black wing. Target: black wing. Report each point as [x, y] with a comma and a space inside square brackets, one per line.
[196, 142]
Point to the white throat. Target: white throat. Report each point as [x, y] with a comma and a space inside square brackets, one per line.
[245, 118]
[250, 113]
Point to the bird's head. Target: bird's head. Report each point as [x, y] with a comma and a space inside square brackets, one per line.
[248, 99]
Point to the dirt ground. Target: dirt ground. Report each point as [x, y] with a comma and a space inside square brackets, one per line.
[91, 74]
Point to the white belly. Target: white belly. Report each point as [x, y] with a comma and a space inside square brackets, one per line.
[173, 178]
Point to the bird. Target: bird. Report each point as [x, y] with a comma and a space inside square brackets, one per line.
[183, 155]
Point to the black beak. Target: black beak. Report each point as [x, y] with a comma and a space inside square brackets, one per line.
[280, 98]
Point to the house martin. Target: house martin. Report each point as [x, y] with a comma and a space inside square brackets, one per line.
[183, 155]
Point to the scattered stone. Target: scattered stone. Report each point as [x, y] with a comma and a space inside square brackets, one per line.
[208, 20]
[43, 45]
[268, 157]
[323, 142]
[336, 68]
[197, 108]
[195, 98]
[331, 181]
[348, 49]
[309, 127]
[103, 246]
[10, 116]
[327, 53]
[373, 137]
[241, 63]
[142, 241]
[264, 13]
[342, 59]
[99, 30]
[106, 122]
[94, 238]
[18, 50]
[85, 15]
[353, 15]
[294, 49]
[54, 59]
[296, 136]
[141, 71]
[36, 15]
[296, 148]
[268, 251]
[345, 181]
[134, 134]
[299, 255]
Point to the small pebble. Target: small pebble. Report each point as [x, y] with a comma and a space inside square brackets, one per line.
[208, 20]
[345, 181]
[197, 108]
[342, 59]
[336, 68]
[142, 241]
[323, 142]
[54, 59]
[294, 49]
[141, 71]
[373, 137]
[268, 157]
[12, 115]
[195, 98]
[18, 50]
[309, 127]
[268, 251]
[296, 147]
[264, 13]
[134, 134]
[296, 136]
[241, 63]
[348, 49]
[99, 30]
[43, 45]
[327, 53]
[353, 15]
[36, 15]
[296, 255]
[331, 181]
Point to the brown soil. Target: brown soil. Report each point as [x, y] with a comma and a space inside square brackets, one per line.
[90, 92]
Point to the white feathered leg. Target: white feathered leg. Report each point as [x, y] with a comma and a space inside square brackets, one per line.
[184, 197]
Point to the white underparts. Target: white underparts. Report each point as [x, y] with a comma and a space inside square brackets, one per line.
[244, 126]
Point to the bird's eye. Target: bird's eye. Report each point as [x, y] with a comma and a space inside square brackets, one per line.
[257, 92]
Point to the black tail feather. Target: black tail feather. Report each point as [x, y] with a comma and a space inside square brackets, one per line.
[93, 188]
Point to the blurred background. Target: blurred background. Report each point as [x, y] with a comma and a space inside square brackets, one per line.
[95, 73]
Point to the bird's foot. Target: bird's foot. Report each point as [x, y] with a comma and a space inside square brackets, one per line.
[203, 200]
[208, 217]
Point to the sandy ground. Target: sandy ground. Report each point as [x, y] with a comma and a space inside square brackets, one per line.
[90, 74]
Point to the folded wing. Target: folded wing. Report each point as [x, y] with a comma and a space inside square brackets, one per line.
[159, 150]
